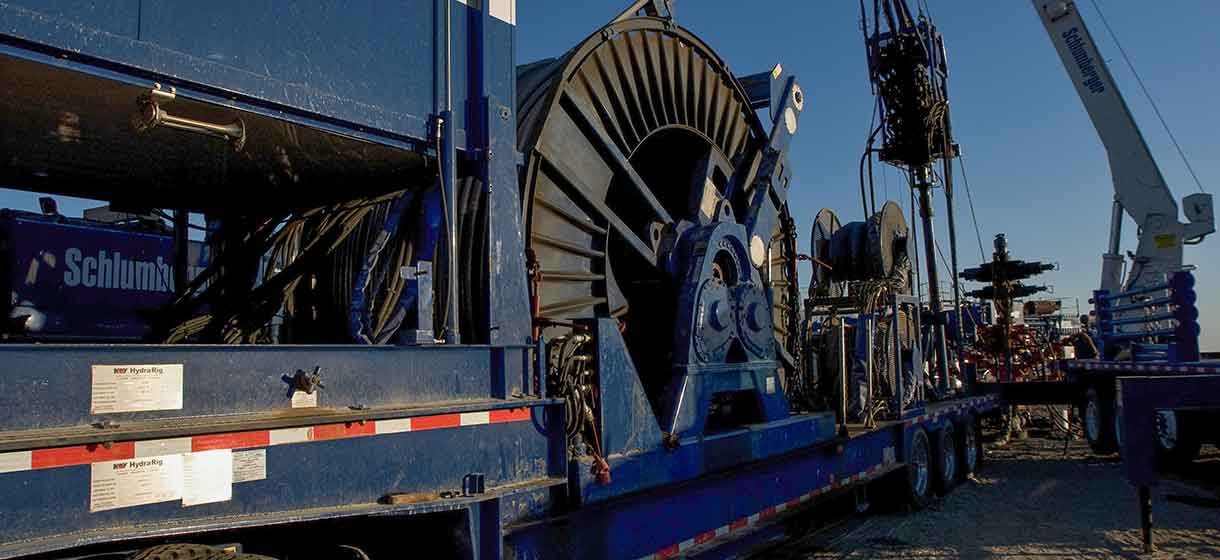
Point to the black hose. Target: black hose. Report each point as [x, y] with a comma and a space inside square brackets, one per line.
[472, 230]
[359, 308]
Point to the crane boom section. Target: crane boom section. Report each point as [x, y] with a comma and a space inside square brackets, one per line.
[1139, 187]
[1138, 183]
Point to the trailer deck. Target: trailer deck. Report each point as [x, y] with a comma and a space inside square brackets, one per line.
[349, 449]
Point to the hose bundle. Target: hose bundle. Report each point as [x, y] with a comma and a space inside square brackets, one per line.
[333, 273]
[571, 376]
[310, 263]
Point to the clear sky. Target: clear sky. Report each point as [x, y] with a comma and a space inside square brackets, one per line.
[1036, 168]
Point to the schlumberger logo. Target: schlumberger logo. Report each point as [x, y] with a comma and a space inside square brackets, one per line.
[1088, 71]
[110, 270]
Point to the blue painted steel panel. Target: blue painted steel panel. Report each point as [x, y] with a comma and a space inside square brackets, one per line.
[45, 502]
[1140, 398]
[350, 57]
[118, 17]
[697, 457]
[736, 499]
[509, 319]
[368, 64]
[628, 423]
[628, 527]
[47, 386]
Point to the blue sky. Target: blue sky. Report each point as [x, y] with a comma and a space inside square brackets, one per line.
[1036, 167]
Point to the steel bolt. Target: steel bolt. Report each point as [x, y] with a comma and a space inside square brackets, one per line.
[719, 315]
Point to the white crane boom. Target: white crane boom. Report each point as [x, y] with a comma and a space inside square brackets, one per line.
[1139, 187]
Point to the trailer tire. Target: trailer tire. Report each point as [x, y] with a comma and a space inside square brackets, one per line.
[1178, 440]
[180, 551]
[916, 479]
[970, 448]
[948, 460]
[1098, 417]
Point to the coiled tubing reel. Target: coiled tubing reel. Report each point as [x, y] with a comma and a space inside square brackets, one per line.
[857, 266]
[634, 138]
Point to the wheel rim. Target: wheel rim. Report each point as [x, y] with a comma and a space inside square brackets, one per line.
[1092, 420]
[1167, 429]
[948, 457]
[919, 462]
[971, 451]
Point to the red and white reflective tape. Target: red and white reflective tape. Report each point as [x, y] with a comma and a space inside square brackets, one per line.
[95, 453]
[955, 407]
[1152, 368]
[761, 516]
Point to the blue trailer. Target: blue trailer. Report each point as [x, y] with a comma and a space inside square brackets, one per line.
[1141, 388]
[604, 372]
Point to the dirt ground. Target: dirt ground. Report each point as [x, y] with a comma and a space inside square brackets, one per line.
[1031, 500]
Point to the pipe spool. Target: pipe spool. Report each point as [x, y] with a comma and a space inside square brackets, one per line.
[825, 224]
[887, 241]
[871, 250]
[639, 127]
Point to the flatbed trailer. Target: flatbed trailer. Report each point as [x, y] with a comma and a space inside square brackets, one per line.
[494, 464]
[457, 449]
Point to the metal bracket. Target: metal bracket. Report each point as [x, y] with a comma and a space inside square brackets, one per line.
[474, 483]
[651, 8]
[151, 115]
[307, 382]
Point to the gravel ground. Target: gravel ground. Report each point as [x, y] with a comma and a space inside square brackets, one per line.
[1031, 500]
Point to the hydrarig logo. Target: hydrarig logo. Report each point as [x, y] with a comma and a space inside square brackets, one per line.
[1088, 71]
[139, 370]
[121, 465]
[109, 270]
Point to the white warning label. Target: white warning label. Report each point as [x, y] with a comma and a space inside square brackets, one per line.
[711, 199]
[249, 465]
[301, 399]
[134, 482]
[207, 476]
[136, 388]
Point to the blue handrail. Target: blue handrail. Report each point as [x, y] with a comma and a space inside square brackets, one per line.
[1178, 342]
